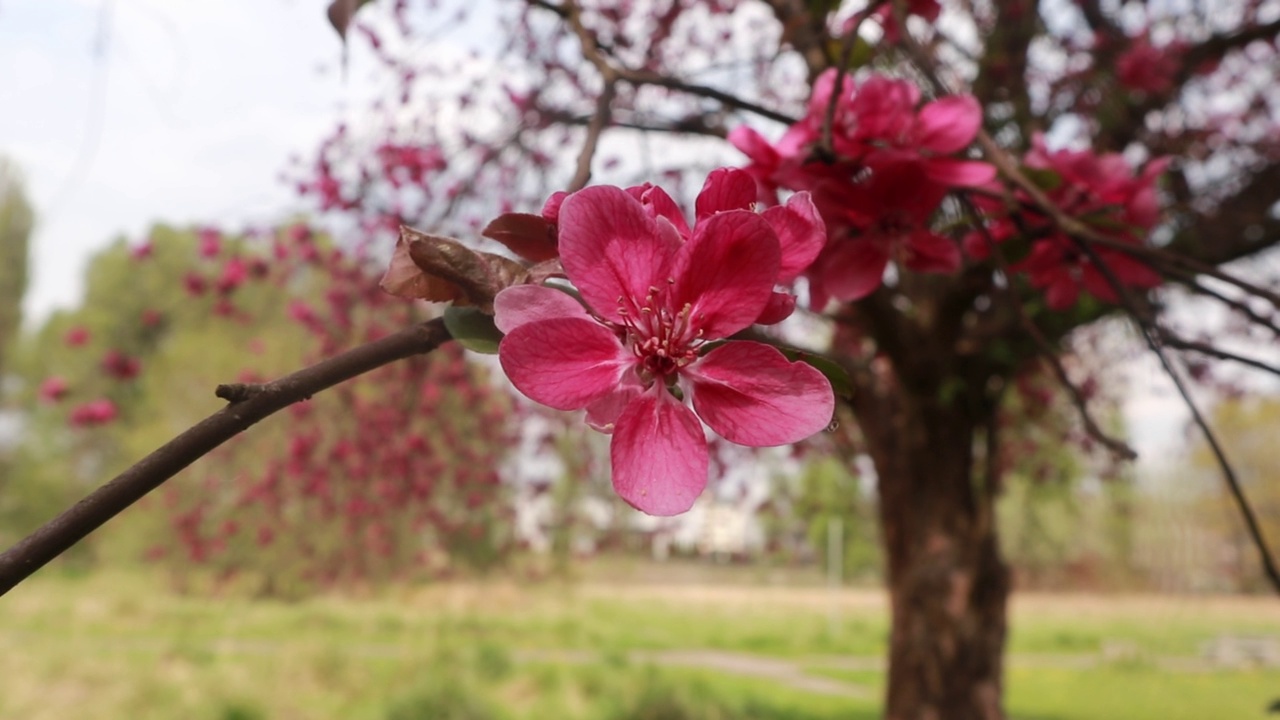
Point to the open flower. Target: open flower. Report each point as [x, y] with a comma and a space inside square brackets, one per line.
[640, 347]
[890, 213]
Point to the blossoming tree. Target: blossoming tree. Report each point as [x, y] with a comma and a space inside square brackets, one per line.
[952, 189]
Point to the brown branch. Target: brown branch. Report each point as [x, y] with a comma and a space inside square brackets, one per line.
[249, 405]
[1173, 341]
[636, 77]
[609, 74]
[1189, 280]
[595, 128]
[691, 125]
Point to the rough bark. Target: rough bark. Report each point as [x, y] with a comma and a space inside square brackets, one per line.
[948, 585]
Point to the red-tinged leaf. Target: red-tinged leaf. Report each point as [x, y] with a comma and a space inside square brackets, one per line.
[449, 271]
[532, 237]
[405, 279]
[341, 12]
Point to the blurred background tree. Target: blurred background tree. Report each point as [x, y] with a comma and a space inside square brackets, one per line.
[17, 220]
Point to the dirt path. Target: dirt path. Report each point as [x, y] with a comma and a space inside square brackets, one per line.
[784, 672]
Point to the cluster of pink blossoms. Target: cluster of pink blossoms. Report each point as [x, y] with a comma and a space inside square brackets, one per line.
[657, 297]
[1103, 190]
[877, 177]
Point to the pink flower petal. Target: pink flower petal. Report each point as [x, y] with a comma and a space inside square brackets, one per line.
[1131, 271]
[521, 304]
[726, 272]
[1062, 292]
[754, 146]
[611, 248]
[725, 189]
[948, 124]
[751, 394]
[564, 363]
[801, 234]
[930, 252]
[603, 414]
[660, 206]
[551, 208]
[854, 269]
[659, 455]
[959, 173]
[780, 307]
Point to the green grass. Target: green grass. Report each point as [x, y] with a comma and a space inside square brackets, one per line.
[1140, 693]
[118, 645]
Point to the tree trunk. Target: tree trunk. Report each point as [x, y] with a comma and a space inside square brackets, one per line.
[948, 585]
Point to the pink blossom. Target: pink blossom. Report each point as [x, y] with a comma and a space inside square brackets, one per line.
[77, 336]
[1118, 202]
[1147, 68]
[890, 216]
[120, 366]
[94, 412]
[654, 300]
[925, 9]
[53, 389]
[151, 317]
[234, 273]
[876, 123]
[210, 242]
[195, 283]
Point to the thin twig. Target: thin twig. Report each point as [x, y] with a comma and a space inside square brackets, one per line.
[636, 77]
[590, 46]
[595, 54]
[56, 536]
[1170, 340]
[1150, 333]
[1189, 280]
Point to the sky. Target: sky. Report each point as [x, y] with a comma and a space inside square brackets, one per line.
[126, 112]
[122, 113]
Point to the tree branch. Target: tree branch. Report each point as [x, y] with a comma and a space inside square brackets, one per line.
[248, 405]
[1173, 341]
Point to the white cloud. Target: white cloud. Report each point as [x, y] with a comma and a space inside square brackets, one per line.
[189, 115]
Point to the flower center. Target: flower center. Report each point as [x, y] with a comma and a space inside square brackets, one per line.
[663, 340]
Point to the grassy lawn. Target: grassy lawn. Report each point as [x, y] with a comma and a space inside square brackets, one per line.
[122, 646]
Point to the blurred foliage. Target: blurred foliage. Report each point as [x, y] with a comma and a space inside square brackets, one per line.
[16, 223]
[381, 475]
[140, 308]
[828, 491]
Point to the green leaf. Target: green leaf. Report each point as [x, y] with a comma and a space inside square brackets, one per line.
[474, 330]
